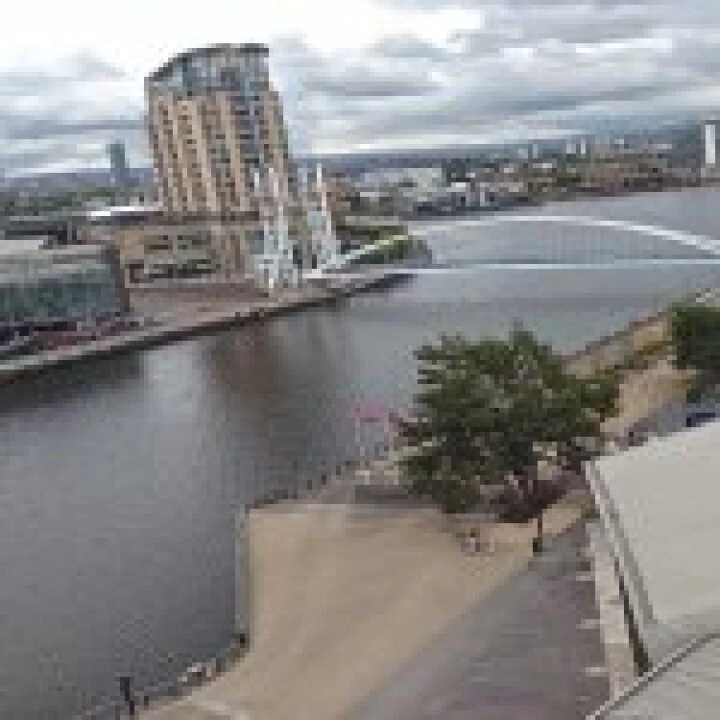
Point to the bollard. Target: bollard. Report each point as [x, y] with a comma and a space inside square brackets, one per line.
[125, 682]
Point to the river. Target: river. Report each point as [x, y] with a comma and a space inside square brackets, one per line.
[119, 478]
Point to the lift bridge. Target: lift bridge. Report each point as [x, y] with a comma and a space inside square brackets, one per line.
[277, 267]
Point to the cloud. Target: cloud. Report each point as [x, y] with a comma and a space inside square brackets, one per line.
[76, 70]
[354, 82]
[506, 68]
[422, 5]
[59, 114]
[528, 67]
[64, 123]
[408, 47]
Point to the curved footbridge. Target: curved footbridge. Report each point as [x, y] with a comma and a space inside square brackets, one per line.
[350, 264]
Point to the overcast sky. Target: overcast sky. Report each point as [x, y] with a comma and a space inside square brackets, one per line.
[360, 75]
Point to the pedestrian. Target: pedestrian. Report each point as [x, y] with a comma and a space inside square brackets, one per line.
[471, 543]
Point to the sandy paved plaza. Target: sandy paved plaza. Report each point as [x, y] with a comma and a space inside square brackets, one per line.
[343, 596]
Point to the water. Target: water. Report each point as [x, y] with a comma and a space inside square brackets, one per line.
[118, 479]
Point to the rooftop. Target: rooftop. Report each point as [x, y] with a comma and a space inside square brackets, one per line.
[660, 507]
[122, 210]
[208, 51]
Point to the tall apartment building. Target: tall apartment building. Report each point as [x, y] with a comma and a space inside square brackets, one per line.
[215, 122]
[214, 118]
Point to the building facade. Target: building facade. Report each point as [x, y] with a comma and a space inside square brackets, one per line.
[153, 244]
[214, 119]
[40, 285]
[220, 145]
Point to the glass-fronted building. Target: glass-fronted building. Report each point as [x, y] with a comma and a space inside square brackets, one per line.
[48, 285]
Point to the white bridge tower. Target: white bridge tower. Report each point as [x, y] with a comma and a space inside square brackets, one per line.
[323, 241]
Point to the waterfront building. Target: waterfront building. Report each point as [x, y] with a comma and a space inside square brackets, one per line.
[56, 229]
[154, 244]
[220, 146]
[42, 285]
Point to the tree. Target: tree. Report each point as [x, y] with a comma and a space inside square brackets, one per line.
[489, 412]
[695, 336]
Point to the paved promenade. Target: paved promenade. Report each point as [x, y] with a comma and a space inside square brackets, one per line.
[346, 596]
[530, 651]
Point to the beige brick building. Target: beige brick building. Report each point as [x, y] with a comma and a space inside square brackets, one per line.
[215, 123]
[213, 118]
[155, 244]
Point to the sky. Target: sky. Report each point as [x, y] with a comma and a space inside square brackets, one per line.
[360, 75]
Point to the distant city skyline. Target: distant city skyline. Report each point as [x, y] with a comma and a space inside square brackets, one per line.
[366, 76]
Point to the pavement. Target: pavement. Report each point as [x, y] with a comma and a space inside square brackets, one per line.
[345, 597]
[532, 650]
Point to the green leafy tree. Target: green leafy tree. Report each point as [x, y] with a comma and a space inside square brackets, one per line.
[488, 413]
[695, 337]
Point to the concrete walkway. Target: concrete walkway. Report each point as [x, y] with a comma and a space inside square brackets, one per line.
[343, 598]
[530, 651]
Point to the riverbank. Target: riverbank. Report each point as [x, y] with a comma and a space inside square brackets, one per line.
[192, 319]
[646, 388]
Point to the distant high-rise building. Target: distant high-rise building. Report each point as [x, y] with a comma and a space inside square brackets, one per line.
[119, 174]
[215, 120]
[710, 144]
